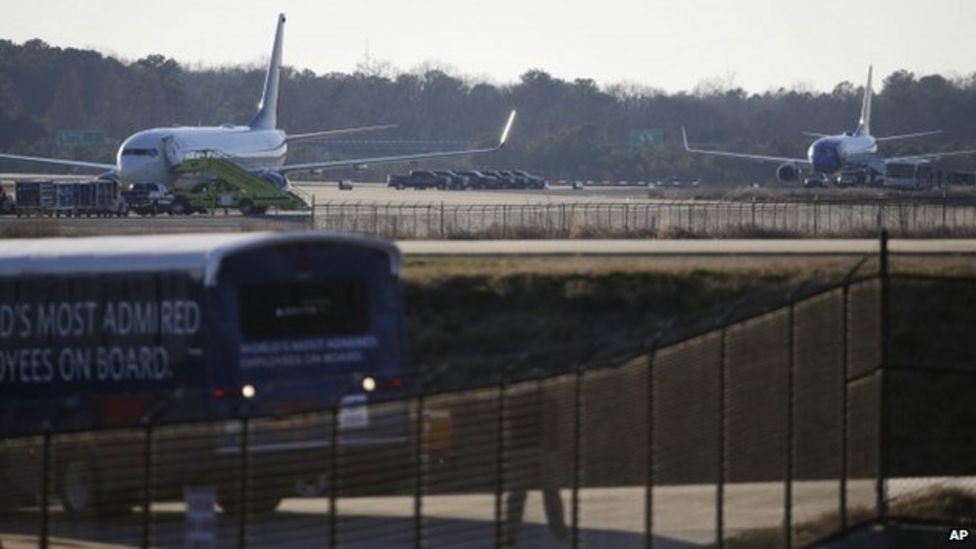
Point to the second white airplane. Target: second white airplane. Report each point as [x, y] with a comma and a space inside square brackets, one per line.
[846, 158]
[151, 156]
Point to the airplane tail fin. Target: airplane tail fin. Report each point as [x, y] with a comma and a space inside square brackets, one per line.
[267, 116]
[864, 124]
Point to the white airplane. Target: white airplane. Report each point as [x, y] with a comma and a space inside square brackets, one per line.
[150, 156]
[846, 158]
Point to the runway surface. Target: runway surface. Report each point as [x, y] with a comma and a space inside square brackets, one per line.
[379, 193]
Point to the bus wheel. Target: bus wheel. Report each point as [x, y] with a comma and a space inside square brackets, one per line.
[78, 486]
[312, 487]
[82, 493]
[230, 503]
[247, 206]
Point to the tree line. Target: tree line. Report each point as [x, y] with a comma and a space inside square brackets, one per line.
[565, 130]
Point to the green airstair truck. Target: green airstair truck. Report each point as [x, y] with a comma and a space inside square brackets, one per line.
[232, 187]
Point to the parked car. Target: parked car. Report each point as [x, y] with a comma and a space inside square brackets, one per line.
[418, 179]
[500, 180]
[455, 181]
[533, 181]
[479, 180]
[515, 181]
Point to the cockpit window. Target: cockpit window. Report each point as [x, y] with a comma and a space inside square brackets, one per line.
[140, 152]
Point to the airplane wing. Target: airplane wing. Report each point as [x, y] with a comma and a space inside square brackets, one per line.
[308, 166]
[929, 156]
[59, 162]
[747, 156]
[343, 131]
[907, 135]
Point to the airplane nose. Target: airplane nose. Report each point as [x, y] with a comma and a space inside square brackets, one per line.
[826, 159]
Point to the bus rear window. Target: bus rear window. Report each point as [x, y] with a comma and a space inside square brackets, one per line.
[303, 309]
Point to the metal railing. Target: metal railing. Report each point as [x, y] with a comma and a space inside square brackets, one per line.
[641, 219]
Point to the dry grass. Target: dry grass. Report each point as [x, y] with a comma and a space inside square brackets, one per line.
[461, 309]
[34, 227]
[949, 506]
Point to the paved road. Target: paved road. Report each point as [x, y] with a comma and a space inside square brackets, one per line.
[684, 517]
[680, 247]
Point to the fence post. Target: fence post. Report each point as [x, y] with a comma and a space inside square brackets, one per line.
[649, 458]
[881, 500]
[442, 220]
[334, 478]
[720, 487]
[577, 453]
[245, 466]
[845, 408]
[46, 490]
[500, 468]
[418, 517]
[816, 213]
[147, 486]
[649, 463]
[790, 403]
[945, 200]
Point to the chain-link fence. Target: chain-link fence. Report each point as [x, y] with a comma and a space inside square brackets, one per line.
[437, 220]
[842, 406]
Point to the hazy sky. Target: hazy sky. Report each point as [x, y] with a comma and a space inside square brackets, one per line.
[669, 44]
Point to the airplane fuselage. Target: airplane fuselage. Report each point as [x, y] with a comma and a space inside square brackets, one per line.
[149, 156]
[833, 154]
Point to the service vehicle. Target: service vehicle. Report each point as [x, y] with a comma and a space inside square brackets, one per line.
[214, 195]
[7, 204]
[912, 175]
[148, 198]
[120, 332]
[99, 197]
[227, 185]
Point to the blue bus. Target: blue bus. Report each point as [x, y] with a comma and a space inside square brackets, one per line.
[113, 332]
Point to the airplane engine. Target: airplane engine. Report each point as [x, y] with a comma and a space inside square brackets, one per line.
[275, 178]
[788, 172]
